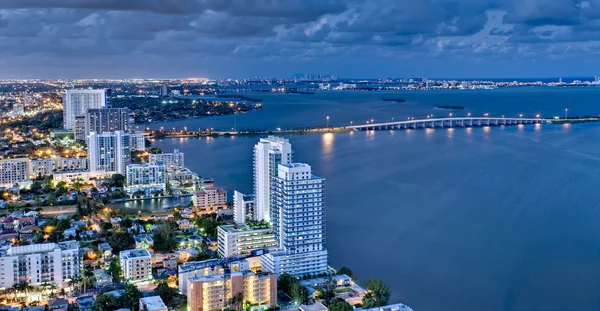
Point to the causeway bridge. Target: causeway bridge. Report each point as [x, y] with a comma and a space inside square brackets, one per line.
[447, 122]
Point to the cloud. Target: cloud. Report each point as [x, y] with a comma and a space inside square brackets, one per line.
[235, 37]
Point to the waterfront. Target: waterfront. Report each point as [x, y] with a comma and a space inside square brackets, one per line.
[491, 218]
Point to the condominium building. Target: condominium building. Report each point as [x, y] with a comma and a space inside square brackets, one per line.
[145, 177]
[71, 164]
[54, 263]
[298, 218]
[42, 166]
[109, 152]
[243, 207]
[102, 120]
[136, 264]
[14, 171]
[183, 176]
[137, 141]
[268, 153]
[214, 292]
[210, 199]
[234, 241]
[173, 161]
[193, 269]
[77, 102]
[79, 128]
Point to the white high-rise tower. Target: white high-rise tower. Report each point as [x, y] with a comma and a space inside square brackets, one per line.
[298, 219]
[268, 154]
[109, 152]
[77, 102]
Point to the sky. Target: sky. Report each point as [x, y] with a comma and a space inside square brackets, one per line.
[68, 39]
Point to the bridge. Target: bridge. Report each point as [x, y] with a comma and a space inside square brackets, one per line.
[447, 122]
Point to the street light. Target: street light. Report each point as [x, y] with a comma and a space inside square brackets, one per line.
[486, 114]
[521, 116]
[327, 121]
[537, 115]
[566, 110]
[450, 114]
[468, 114]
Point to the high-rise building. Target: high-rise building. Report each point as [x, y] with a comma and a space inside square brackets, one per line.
[136, 264]
[102, 120]
[268, 153]
[214, 292]
[173, 161]
[79, 128]
[14, 171]
[298, 218]
[243, 207]
[242, 241]
[137, 141]
[109, 152]
[54, 263]
[77, 102]
[145, 177]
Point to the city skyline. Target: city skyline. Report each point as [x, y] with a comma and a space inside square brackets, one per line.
[465, 38]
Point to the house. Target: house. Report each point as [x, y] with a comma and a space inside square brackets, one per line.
[58, 304]
[102, 278]
[152, 303]
[183, 224]
[187, 253]
[70, 233]
[116, 222]
[170, 264]
[143, 241]
[85, 303]
[105, 250]
[136, 229]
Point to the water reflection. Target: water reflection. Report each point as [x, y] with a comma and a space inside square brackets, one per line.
[327, 140]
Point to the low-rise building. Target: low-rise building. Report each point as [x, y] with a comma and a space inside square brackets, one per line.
[152, 303]
[145, 177]
[136, 264]
[184, 177]
[71, 164]
[214, 292]
[42, 166]
[143, 241]
[243, 241]
[172, 161]
[210, 200]
[14, 171]
[207, 267]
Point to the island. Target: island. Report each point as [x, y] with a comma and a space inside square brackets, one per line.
[240, 97]
[398, 100]
[451, 107]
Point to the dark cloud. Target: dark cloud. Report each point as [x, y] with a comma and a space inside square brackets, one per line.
[235, 37]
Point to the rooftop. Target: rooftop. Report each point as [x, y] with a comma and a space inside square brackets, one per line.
[243, 229]
[314, 307]
[153, 303]
[135, 253]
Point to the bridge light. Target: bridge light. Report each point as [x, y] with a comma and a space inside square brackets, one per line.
[450, 114]
[537, 116]
[468, 114]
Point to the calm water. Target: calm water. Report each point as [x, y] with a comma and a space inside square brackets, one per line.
[492, 218]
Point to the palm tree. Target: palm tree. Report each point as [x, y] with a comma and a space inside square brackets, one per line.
[88, 277]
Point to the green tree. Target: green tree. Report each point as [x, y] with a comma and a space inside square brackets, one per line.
[106, 302]
[121, 241]
[378, 294]
[131, 297]
[299, 293]
[339, 304]
[117, 180]
[285, 282]
[166, 293]
[114, 269]
[163, 239]
[348, 272]
[88, 277]
[55, 236]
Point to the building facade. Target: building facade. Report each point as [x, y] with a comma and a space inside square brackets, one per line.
[298, 218]
[42, 166]
[79, 128]
[77, 102]
[137, 142]
[214, 292]
[172, 161]
[54, 263]
[236, 241]
[210, 199]
[102, 120]
[14, 171]
[71, 164]
[136, 264]
[243, 207]
[109, 152]
[207, 267]
[145, 177]
[268, 153]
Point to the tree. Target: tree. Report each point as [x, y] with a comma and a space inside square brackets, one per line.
[166, 293]
[131, 297]
[88, 277]
[285, 282]
[237, 301]
[299, 293]
[114, 269]
[378, 294]
[106, 302]
[348, 272]
[339, 304]
[55, 236]
[163, 239]
[121, 241]
[117, 180]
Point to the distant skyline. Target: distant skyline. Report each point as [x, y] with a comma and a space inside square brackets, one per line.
[51, 39]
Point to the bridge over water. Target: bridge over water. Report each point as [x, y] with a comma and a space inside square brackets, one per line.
[447, 122]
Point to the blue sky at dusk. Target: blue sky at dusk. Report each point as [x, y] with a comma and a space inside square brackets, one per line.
[279, 38]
